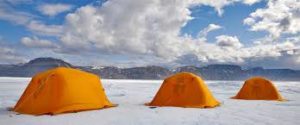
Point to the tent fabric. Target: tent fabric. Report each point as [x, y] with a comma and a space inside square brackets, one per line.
[184, 90]
[258, 88]
[62, 90]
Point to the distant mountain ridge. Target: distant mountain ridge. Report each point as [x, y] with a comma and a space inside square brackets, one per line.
[32, 67]
[210, 72]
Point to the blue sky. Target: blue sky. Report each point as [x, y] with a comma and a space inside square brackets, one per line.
[204, 15]
[231, 20]
[16, 32]
[135, 33]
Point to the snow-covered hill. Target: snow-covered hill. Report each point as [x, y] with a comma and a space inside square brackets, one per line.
[132, 94]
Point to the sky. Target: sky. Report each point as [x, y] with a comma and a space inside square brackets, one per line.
[171, 33]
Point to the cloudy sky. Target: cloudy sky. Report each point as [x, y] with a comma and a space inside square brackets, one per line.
[169, 33]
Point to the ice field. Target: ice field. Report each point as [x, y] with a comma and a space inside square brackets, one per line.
[130, 95]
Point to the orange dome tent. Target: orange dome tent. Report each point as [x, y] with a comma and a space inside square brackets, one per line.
[258, 88]
[184, 90]
[62, 90]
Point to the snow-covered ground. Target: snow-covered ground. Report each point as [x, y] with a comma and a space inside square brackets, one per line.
[132, 94]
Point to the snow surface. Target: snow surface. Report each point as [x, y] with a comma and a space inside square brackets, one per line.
[132, 94]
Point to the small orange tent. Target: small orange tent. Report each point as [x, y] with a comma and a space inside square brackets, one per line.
[258, 88]
[62, 90]
[184, 90]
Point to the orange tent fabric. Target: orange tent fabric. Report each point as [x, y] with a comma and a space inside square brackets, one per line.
[62, 90]
[258, 88]
[184, 90]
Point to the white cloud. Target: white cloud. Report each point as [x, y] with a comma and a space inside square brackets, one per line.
[211, 52]
[228, 49]
[219, 4]
[279, 17]
[54, 9]
[228, 41]
[209, 28]
[250, 2]
[152, 28]
[39, 28]
[249, 21]
[271, 50]
[8, 54]
[35, 42]
[8, 13]
[143, 29]
[16, 2]
[148, 33]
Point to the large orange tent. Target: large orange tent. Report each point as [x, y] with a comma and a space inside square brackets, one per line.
[258, 88]
[184, 90]
[62, 90]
